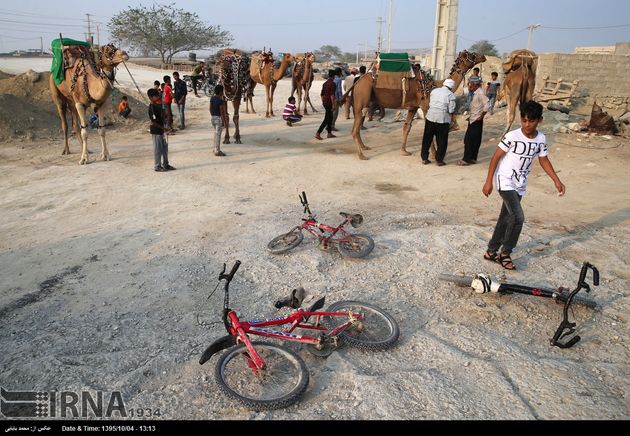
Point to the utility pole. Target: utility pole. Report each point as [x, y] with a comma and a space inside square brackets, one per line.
[380, 22]
[445, 37]
[389, 27]
[529, 36]
[98, 35]
[89, 32]
[41, 45]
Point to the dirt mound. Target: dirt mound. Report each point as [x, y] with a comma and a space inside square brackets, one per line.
[28, 112]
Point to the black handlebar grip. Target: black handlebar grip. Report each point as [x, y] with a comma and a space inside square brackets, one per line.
[304, 196]
[234, 269]
[595, 276]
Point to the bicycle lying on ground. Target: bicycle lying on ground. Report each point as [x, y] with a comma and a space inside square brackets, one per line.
[262, 375]
[482, 284]
[348, 244]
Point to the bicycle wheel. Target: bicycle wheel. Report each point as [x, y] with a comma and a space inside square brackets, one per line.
[279, 385]
[378, 331]
[458, 280]
[208, 89]
[283, 243]
[357, 245]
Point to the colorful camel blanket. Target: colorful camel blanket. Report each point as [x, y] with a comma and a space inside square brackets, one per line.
[57, 63]
[394, 62]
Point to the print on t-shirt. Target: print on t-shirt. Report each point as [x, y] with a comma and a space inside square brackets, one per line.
[515, 166]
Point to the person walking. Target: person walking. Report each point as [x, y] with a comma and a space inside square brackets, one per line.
[508, 171]
[437, 122]
[492, 90]
[328, 101]
[180, 91]
[219, 117]
[479, 106]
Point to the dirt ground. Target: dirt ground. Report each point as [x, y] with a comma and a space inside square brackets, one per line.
[106, 268]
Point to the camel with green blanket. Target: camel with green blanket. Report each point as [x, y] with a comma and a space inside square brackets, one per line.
[80, 80]
[394, 87]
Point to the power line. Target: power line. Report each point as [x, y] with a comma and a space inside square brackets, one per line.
[586, 28]
[297, 24]
[21, 39]
[40, 24]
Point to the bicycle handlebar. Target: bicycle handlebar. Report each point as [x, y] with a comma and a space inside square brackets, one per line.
[229, 276]
[304, 202]
[565, 324]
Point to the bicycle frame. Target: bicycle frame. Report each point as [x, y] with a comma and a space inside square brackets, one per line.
[239, 330]
[311, 223]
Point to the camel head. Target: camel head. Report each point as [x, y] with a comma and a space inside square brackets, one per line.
[287, 57]
[466, 60]
[310, 56]
[111, 56]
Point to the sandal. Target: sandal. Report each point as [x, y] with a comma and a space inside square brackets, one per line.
[491, 256]
[506, 261]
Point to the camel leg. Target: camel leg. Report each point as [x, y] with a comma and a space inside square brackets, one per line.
[237, 128]
[411, 113]
[84, 133]
[300, 94]
[512, 99]
[273, 90]
[308, 97]
[101, 133]
[267, 91]
[61, 110]
[359, 115]
[226, 139]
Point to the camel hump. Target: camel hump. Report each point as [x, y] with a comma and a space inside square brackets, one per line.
[518, 58]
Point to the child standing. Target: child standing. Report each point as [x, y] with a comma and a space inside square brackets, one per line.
[492, 90]
[509, 168]
[289, 115]
[156, 115]
[219, 117]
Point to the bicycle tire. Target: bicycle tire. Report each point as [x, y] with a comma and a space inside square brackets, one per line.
[237, 381]
[358, 245]
[285, 242]
[208, 90]
[458, 280]
[378, 331]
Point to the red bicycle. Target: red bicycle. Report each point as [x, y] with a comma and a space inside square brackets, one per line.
[262, 375]
[348, 244]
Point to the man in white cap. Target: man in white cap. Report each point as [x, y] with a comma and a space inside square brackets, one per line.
[437, 122]
[479, 106]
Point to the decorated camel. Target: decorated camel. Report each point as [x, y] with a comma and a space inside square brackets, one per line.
[83, 81]
[233, 70]
[302, 79]
[520, 81]
[261, 71]
[414, 96]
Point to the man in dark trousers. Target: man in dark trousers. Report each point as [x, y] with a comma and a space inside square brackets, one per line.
[479, 106]
[437, 122]
[328, 100]
[181, 92]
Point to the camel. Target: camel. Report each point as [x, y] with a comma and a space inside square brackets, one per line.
[302, 78]
[261, 71]
[520, 81]
[233, 70]
[416, 97]
[86, 84]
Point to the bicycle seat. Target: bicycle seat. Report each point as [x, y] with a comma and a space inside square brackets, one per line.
[355, 220]
[294, 300]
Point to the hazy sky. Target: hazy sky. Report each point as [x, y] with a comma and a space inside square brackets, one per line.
[300, 25]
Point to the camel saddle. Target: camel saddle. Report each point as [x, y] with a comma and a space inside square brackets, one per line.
[519, 58]
[66, 51]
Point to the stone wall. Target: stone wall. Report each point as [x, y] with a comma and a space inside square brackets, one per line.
[602, 76]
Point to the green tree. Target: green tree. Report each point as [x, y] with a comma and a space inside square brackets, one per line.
[165, 30]
[328, 53]
[484, 47]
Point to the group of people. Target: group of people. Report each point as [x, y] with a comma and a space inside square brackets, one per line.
[439, 117]
[509, 166]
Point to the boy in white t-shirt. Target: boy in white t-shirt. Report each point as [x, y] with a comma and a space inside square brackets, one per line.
[509, 168]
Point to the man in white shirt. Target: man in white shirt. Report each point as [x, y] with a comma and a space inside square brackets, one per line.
[437, 122]
[479, 107]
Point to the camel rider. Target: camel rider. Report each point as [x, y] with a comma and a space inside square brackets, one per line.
[198, 71]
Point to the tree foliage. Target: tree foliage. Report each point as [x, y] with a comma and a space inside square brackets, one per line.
[165, 30]
[484, 47]
[328, 53]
